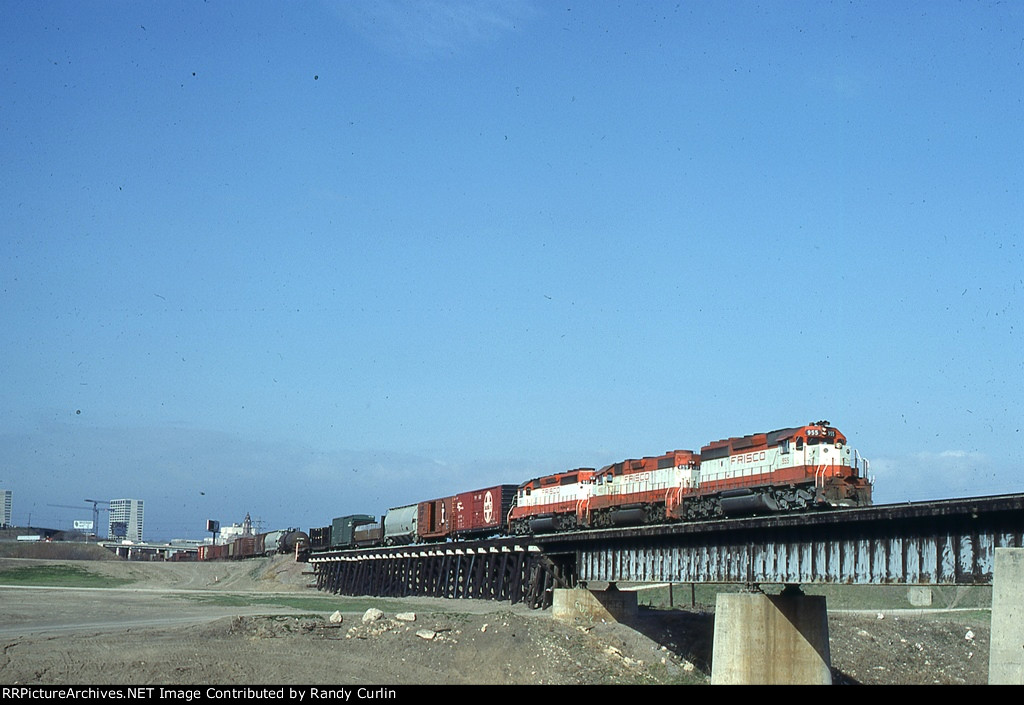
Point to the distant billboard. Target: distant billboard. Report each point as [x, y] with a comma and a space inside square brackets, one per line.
[212, 525]
[83, 525]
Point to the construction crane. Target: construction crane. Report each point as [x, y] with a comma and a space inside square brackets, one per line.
[95, 511]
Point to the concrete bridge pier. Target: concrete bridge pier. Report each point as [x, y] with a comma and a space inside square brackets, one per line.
[1006, 649]
[771, 640]
[759, 639]
[585, 607]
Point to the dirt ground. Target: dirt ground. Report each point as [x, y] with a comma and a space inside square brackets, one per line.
[159, 630]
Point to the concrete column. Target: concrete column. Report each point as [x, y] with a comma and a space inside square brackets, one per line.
[585, 607]
[771, 640]
[1006, 650]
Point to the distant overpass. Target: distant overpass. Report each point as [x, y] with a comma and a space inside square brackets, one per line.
[145, 551]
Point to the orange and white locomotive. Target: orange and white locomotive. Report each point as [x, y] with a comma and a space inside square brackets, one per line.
[789, 469]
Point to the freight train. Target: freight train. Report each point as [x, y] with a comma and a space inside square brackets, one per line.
[475, 514]
[786, 470]
[267, 544]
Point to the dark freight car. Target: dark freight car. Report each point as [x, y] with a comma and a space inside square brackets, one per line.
[343, 529]
[320, 538]
[242, 547]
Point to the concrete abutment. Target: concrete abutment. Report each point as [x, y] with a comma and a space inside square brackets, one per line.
[1006, 649]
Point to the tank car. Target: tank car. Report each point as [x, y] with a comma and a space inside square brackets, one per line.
[281, 541]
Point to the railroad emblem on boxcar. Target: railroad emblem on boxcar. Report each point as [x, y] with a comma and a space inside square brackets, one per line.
[488, 508]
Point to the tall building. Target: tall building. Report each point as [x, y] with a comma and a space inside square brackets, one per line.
[126, 519]
[6, 498]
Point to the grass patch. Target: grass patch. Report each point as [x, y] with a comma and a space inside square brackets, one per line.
[871, 597]
[59, 576]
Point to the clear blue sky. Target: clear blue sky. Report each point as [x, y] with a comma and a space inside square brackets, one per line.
[306, 259]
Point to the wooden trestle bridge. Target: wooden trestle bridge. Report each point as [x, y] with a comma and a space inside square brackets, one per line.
[948, 542]
[501, 569]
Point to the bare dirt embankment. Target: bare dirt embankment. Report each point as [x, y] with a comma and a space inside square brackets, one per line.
[258, 622]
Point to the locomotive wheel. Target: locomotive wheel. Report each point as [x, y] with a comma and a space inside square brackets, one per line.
[794, 499]
[703, 508]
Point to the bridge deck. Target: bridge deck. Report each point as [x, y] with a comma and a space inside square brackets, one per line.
[948, 542]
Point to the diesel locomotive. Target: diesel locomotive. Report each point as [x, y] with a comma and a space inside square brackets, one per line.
[787, 470]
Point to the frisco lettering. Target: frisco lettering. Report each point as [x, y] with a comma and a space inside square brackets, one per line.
[755, 457]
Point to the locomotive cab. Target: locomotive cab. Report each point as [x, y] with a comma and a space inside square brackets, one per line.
[819, 453]
[782, 470]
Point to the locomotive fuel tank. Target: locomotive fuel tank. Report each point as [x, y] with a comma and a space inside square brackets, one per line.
[747, 502]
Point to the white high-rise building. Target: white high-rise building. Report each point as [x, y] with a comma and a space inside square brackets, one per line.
[6, 500]
[126, 519]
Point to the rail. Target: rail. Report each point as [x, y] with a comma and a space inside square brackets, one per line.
[946, 542]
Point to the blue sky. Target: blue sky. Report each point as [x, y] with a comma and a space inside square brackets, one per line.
[309, 259]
